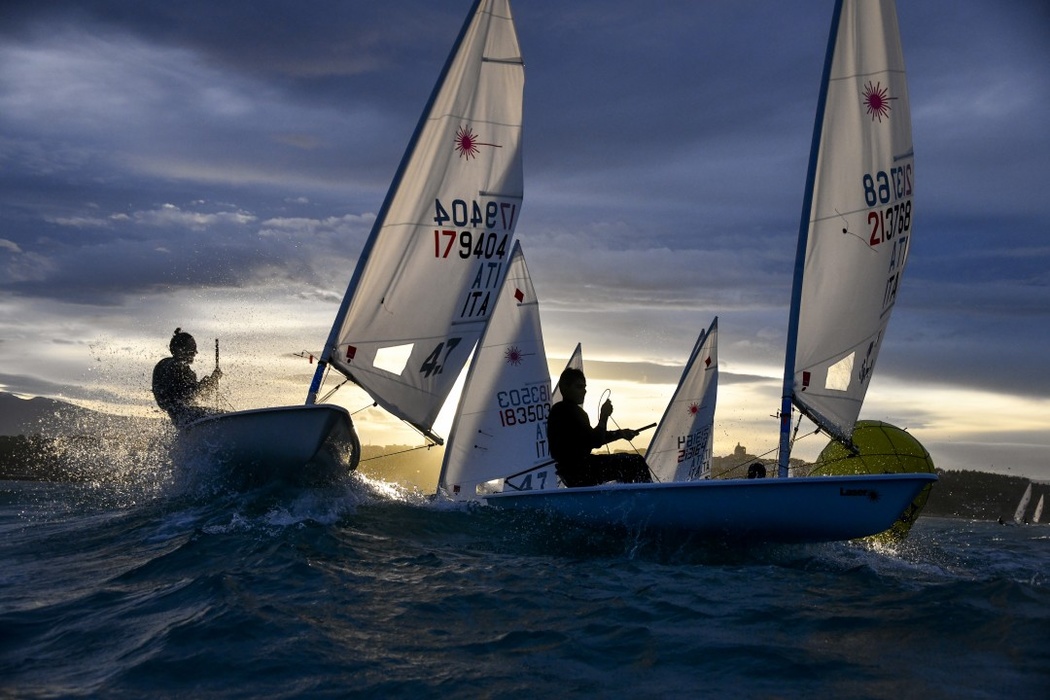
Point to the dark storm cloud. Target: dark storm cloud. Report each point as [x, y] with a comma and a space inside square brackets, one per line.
[147, 147]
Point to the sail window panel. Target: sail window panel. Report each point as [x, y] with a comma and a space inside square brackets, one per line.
[393, 359]
[839, 374]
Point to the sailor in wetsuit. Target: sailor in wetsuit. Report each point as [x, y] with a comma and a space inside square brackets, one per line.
[175, 385]
[572, 438]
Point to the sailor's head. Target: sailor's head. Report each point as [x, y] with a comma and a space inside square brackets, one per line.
[573, 385]
[182, 345]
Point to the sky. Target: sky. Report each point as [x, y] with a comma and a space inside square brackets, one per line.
[217, 167]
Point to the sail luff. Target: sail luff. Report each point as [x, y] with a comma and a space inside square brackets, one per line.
[788, 394]
[377, 225]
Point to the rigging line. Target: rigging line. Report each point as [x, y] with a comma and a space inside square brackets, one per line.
[400, 452]
[335, 388]
[608, 450]
[735, 467]
[794, 435]
[523, 472]
[365, 408]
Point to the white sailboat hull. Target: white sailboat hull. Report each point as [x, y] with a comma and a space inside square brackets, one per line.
[301, 445]
[809, 509]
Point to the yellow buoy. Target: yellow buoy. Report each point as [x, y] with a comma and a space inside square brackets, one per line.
[882, 449]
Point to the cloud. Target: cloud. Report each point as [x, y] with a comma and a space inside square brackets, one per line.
[194, 162]
[171, 215]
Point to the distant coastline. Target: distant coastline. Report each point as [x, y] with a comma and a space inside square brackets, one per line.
[32, 449]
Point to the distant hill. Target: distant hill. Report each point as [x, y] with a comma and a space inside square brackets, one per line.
[26, 426]
[982, 496]
[53, 418]
[38, 415]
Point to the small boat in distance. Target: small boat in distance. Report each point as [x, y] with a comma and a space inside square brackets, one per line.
[1022, 506]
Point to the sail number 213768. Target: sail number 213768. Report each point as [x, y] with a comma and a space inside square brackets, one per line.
[893, 191]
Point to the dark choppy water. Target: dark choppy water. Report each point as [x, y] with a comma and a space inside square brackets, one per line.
[134, 587]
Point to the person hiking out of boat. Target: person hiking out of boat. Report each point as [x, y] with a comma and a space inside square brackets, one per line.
[571, 439]
[175, 385]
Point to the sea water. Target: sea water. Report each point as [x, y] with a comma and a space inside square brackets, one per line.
[144, 586]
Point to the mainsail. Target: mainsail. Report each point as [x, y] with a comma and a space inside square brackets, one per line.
[856, 223]
[426, 282]
[681, 447]
[500, 426]
[1022, 505]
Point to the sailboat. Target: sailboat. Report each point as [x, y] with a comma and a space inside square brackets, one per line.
[499, 429]
[1037, 516]
[853, 244]
[681, 447]
[424, 286]
[1022, 505]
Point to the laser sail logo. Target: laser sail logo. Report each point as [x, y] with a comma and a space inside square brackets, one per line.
[467, 144]
[877, 101]
[514, 355]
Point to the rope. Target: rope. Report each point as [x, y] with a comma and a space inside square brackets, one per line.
[794, 439]
[401, 452]
[608, 450]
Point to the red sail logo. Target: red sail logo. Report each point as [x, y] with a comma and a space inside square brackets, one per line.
[467, 143]
[877, 101]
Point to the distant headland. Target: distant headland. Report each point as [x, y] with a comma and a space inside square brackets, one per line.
[33, 431]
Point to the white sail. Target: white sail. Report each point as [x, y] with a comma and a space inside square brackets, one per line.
[426, 283]
[1038, 514]
[857, 220]
[681, 447]
[500, 427]
[1022, 506]
[575, 362]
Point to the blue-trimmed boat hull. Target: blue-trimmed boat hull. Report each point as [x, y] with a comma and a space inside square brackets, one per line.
[804, 509]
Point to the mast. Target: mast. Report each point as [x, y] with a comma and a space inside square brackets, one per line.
[800, 253]
[344, 306]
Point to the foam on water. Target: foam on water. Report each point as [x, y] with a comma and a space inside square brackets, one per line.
[135, 584]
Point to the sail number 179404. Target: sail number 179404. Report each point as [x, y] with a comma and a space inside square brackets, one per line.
[490, 215]
[496, 219]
